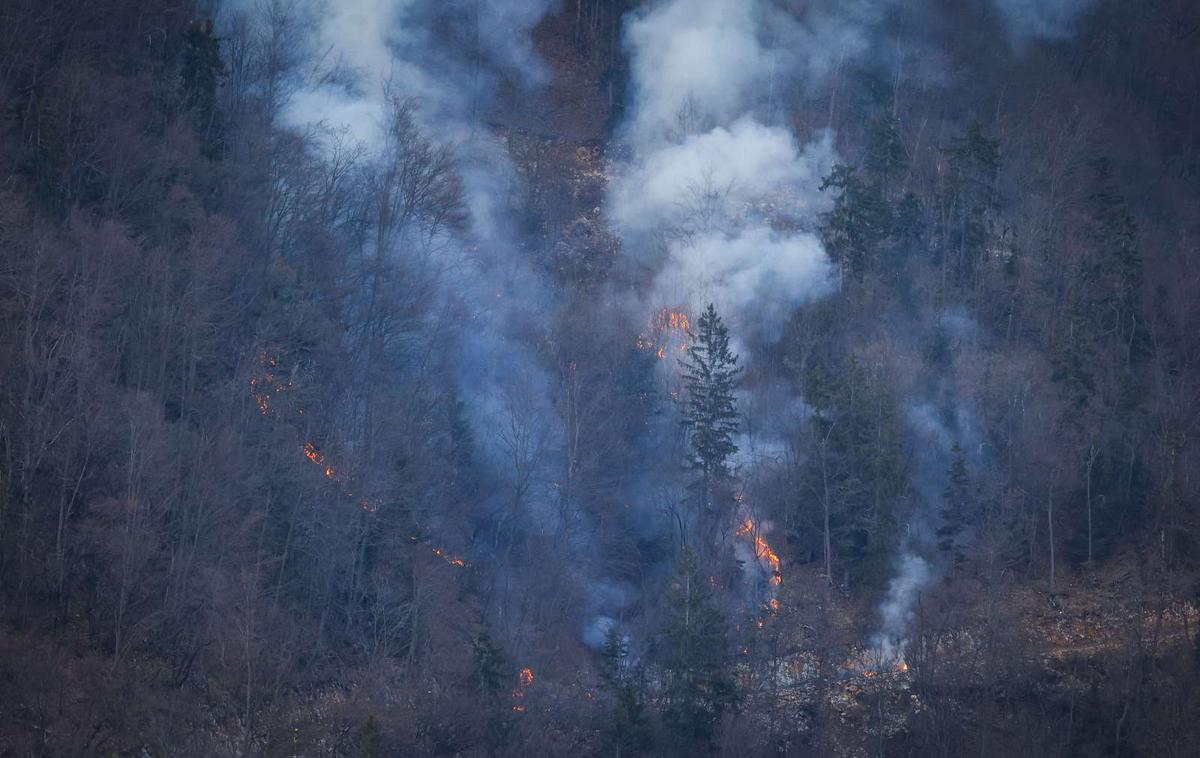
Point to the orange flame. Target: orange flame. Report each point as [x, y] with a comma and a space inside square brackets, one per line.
[870, 666]
[666, 327]
[763, 550]
[525, 678]
[262, 387]
[311, 453]
[453, 561]
[266, 384]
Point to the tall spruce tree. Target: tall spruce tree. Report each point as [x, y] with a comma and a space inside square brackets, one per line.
[628, 730]
[710, 374]
[201, 72]
[971, 203]
[488, 678]
[698, 686]
[854, 229]
[954, 508]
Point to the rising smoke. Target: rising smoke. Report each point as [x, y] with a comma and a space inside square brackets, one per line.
[448, 58]
[897, 609]
[718, 196]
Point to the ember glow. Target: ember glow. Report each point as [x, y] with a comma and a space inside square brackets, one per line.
[266, 384]
[453, 561]
[317, 458]
[314, 455]
[870, 664]
[524, 679]
[763, 552]
[669, 331]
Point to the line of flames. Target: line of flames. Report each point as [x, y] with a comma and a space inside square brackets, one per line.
[749, 528]
[264, 387]
[524, 680]
[762, 549]
[317, 458]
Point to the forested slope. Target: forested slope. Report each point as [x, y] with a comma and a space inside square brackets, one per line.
[600, 378]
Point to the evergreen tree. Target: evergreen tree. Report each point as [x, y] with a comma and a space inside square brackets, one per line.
[1113, 275]
[970, 202]
[861, 227]
[885, 156]
[200, 72]
[858, 223]
[854, 468]
[710, 374]
[489, 676]
[628, 731]
[369, 741]
[698, 686]
[908, 232]
[953, 509]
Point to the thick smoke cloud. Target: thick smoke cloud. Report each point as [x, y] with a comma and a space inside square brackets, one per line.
[713, 199]
[358, 49]
[756, 270]
[716, 198]
[701, 56]
[723, 171]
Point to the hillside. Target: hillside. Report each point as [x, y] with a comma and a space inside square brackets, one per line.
[599, 377]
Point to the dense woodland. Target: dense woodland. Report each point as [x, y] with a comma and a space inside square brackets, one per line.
[327, 441]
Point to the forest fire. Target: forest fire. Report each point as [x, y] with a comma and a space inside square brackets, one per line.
[674, 320]
[870, 664]
[763, 552]
[670, 331]
[266, 385]
[263, 387]
[314, 455]
[452, 560]
[524, 679]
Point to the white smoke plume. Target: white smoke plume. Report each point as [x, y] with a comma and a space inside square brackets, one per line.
[696, 58]
[707, 179]
[357, 49]
[721, 202]
[934, 427]
[352, 58]
[897, 609]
